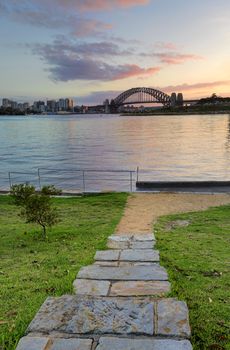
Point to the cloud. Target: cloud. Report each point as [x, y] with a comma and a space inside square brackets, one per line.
[71, 60]
[99, 5]
[66, 68]
[176, 58]
[172, 57]
[48, 14]
[166, 45]
[197, 86]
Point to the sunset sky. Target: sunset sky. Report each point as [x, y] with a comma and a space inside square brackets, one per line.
[94, 49]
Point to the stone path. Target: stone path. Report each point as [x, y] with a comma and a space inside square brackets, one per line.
[143, 209]
[120, 303]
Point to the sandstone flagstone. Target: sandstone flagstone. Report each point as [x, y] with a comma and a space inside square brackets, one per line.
[107, 255]
[106, 263]
[93, 315]
[156, 288]
[135, 241]
[139, 255]
[135, 236]
[129, 273]
[91, 287]
[45, 343]
[33, 343]
[173, 319]
[142, 344]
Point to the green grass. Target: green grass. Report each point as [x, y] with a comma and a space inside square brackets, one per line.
[32, 269]
[197, 258]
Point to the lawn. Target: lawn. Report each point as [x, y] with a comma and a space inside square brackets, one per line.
[32, 269]
[197, 258]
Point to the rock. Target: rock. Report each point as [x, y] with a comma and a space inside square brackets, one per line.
[138, 288]
[139, 255]
[91, 287]
[33, 343]
[134, 241]
[136, 236]
[173, 318]
[94, 315]
[71, 344]
[106, 263]
[107, 255]
[45, 343]
[142, 245]
[129, 273]
[142, 344]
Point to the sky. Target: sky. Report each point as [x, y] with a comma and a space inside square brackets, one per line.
[91, 50]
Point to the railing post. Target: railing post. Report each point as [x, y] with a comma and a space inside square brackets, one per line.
[10, 182]
[138, 174]
[39, 179]
[131, 181]
[83, 179]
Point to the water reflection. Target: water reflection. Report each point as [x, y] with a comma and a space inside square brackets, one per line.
[164, 147]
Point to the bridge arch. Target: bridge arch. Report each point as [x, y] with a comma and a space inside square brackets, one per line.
[159, 96]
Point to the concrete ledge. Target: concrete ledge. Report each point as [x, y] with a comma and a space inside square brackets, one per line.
[185, 186]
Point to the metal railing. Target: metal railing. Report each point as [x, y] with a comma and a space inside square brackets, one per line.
[78, 180]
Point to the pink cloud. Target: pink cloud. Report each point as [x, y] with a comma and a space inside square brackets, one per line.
[97, 5]
[197, 86]
[132, 70]
[166, 45]
[176, 58]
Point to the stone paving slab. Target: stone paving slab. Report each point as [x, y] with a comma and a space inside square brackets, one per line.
[140, 255]
[138, 288]
[129, 273]
[106, 263]
[45, 343]
[142, 344]
[136, 236]
[135, 263]
[107, 255]
[91, 287]
[131, 242]
[82, 315]
[93, 315]
[173, 318]
[33, 343]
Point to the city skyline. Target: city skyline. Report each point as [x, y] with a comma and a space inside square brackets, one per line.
[92, 50]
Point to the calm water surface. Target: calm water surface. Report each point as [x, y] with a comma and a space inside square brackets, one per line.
[164, 147]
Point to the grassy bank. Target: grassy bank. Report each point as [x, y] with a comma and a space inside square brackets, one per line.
[197, 259]
[32, 269]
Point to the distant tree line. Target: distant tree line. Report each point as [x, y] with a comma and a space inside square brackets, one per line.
[214, 99]
[11, 111]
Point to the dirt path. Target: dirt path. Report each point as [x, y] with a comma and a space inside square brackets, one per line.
[143, 209]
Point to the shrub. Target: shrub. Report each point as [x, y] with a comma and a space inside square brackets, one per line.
[36, 207]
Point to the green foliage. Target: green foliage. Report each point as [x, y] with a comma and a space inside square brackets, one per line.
[20, 193]
[51, 190]
[36, 207]
[38, 210]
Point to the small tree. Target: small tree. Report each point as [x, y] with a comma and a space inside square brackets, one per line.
[21, 193]
[36, 207]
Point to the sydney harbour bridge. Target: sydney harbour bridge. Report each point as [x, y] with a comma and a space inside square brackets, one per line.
[143, 95]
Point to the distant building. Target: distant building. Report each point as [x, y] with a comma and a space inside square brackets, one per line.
[180, 99]
[51, 106]
[173, 99]
[39, 106]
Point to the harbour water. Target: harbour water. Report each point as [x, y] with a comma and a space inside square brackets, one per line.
[193, 147]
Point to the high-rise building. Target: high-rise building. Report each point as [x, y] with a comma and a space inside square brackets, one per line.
[51, 106]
